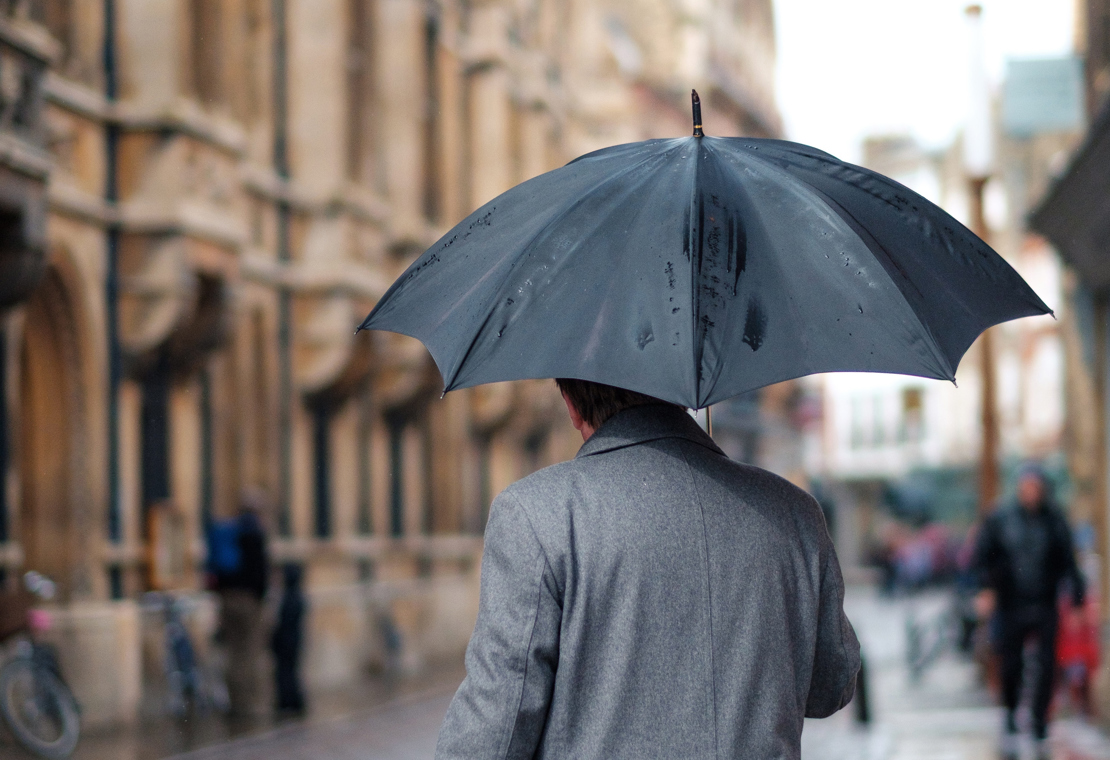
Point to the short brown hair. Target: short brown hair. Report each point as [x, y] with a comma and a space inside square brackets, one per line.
[597, 402]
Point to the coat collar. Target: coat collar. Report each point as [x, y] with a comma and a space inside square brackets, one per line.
[641, 424]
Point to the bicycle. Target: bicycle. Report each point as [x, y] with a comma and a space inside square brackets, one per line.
[35, 702]
[188, 684]
[947, 630]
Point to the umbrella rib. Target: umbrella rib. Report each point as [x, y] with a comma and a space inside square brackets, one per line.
[696, 214]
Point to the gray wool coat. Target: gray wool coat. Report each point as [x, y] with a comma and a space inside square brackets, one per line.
[648, 599]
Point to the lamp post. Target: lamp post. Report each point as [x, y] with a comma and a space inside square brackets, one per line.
[978, 150]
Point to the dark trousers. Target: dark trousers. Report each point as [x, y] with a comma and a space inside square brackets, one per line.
[290, 695]
[1015, 627]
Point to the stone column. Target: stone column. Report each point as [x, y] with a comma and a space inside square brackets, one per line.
[491, 170]
[130, 403]
[301, 496]
[379, 476]
[317, 93]
[186, 452]
[413, 444]
[400, 67]
[535, 139]
[450, 438]
[449, 141]
[152, 52]
[344, 470]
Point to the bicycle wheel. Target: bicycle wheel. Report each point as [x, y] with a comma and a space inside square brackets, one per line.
[39, 709]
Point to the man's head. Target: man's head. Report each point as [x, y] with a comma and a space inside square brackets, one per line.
[591, 404]
[1031, 487]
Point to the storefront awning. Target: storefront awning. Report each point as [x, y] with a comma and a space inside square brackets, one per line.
[1075, 214]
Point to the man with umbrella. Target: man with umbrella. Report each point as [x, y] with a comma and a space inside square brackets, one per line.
[651, 598]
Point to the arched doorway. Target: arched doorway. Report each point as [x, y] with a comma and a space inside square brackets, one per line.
[51, 421]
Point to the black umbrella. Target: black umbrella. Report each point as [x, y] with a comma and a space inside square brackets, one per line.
[694, 269]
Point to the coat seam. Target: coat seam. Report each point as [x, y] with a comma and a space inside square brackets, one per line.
[709, 594]
[531, 637]
[527, 649]
[543, 550]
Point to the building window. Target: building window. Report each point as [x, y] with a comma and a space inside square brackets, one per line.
[322, 459]
[365, 472]
[856, 441]
[4, 450]
[396, 478]
[154, 427]
[878, 423]
[913, 417]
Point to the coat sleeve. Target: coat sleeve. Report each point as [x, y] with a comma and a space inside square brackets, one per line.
[837, 658]
[501, 707]
[985, 559]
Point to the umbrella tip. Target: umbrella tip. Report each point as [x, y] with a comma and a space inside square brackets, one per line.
[695, 101]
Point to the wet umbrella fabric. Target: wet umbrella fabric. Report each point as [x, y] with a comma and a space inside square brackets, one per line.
[695, 269]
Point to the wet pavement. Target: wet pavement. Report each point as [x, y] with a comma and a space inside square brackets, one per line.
[380, 717]
[945, 715]
[402, 730]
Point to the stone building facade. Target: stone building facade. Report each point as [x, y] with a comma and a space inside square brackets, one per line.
[200, 199]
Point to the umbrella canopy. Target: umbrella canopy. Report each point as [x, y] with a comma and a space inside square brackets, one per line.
[695, 269]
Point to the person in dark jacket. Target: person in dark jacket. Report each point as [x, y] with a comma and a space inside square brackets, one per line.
[287, 641]
[241, 593]
[1023, 555]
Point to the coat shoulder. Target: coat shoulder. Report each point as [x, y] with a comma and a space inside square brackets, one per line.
[546, 484]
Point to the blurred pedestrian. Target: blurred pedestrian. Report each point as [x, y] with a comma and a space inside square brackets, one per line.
[239, 563]
[651, 598]
[1023, 554]
[287, 641]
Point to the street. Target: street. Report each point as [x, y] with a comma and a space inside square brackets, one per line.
[946, 716]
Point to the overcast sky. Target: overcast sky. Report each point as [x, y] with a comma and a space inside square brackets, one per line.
[852, 68]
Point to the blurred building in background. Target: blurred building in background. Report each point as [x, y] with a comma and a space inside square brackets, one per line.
[200, 199]
[1075, 216]
[909, 448]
